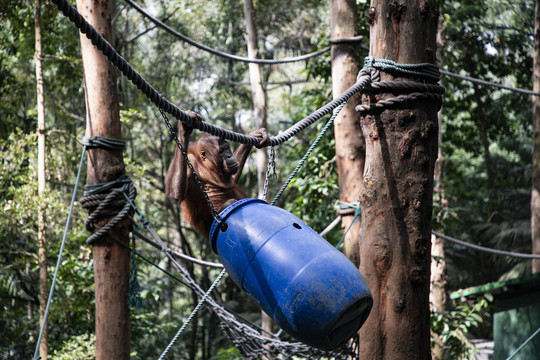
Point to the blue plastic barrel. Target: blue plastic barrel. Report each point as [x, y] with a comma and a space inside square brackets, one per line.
[310, 289]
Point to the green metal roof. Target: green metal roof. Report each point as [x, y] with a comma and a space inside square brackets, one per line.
[498, 286]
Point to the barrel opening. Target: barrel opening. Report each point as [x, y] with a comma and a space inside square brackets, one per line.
[297, 226]
[350, 321]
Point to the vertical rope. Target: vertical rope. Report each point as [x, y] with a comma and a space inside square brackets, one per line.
[192, 315]
[59, 261]
[523, 345]
[310, 150]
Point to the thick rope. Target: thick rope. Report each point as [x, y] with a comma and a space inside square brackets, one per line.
[93, 189]
[485, 249]
[403, 87]
[424, 70]
[348, 40]
[414, 91]
[397, 101]
[125, 68]
[161, 102]
[96, 194]
[96, 142]
[60, 252]
[221, 53]
[364, 78]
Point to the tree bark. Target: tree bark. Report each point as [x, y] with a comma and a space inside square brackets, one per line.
[350, 144]
[258, 94]
[42, 241]
[111, 260]
[401, 149]
[535, 193]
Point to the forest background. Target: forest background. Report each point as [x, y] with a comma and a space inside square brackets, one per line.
[486, 142]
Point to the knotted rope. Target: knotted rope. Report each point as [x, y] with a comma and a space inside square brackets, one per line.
[411, 91]
[103, 200]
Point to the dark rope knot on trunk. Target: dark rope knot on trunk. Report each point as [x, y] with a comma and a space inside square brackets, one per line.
[113, 199]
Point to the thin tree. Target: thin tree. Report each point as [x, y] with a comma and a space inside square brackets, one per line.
[258, 91]
[350, 144]
[396, 199]
[535, 193]
[111, 260]
[258, 94]
[42, 241]
[437, 292]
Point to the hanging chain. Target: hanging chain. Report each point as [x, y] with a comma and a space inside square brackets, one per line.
[270, 169]
[174, 136]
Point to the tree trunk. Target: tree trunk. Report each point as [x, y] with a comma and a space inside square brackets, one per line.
[401, 149]
[482, 121]
[111, 260]
[535, 195]
[42, 241]
[350, 144]
[437, 294]
[258, 93]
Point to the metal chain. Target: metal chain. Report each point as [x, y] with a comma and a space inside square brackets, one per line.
[174, 136]
[271, 168]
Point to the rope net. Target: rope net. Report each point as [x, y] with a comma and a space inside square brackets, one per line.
[250, 343]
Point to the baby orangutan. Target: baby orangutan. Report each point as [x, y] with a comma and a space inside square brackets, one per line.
[218, 168]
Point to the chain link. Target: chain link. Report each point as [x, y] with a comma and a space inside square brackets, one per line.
[271, 168]
[174, 136]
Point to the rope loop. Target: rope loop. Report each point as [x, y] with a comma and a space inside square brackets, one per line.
[348, 208]
[102, 200]
[346, 40]
[410, 91]
[424, 70]
[122, 182]
[101, 142]
[398, 101]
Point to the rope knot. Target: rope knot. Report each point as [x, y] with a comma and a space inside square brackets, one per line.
[423, 70]
[348, 208]
[111, 199]
[411, 90]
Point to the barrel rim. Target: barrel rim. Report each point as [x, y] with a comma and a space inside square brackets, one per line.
[224, 214]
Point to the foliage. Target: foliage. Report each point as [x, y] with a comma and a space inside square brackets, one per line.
[312, 193]
[229, 354]
[81, 347]
[19, 203]
[453, 326]
[487, 170]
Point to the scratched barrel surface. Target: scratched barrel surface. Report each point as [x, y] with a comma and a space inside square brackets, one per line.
[310, 289]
